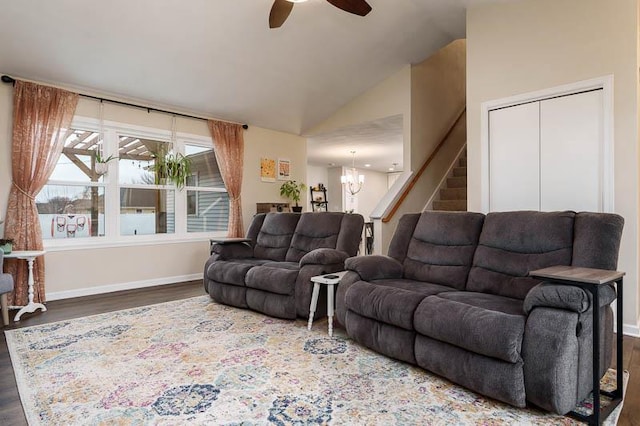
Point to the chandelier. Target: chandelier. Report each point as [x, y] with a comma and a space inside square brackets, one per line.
[351, 180]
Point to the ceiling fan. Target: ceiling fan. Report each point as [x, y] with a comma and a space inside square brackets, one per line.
[282, 8]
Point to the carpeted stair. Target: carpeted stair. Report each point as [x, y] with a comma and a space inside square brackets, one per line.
[453, 196]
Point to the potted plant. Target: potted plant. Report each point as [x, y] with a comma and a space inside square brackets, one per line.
[174, 168]
[6, 245]
[101, 166]
[291, 190]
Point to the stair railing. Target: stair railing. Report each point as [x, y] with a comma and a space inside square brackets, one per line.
[424, 166]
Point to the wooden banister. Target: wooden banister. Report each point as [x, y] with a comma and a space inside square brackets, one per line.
[415, 178]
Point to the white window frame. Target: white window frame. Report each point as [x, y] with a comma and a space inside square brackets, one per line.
[196, 179]
[112, 237]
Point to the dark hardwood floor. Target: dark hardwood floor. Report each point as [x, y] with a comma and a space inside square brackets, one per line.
[11, 409]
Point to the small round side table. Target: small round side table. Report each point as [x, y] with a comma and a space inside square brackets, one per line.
[330, 280]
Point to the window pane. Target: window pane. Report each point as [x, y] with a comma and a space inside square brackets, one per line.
[203, 167]
[147, 211]
[137, 158]
[207, 211]
[76, 163]
[67, 211]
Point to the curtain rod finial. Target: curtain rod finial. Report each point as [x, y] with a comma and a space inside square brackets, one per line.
[7, 79]
[245, 126]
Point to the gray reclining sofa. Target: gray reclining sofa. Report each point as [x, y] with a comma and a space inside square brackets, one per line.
[454, 297]
[272, 273]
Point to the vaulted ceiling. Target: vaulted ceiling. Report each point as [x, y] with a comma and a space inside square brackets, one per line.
[218, 58]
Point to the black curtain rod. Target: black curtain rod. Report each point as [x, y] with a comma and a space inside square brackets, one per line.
[11, 80]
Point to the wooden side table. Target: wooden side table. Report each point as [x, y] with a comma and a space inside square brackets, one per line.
[29, 256]
[592, 280]
[330, 280]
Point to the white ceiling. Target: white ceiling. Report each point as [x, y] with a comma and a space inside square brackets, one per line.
[218, 58]
[377, 143]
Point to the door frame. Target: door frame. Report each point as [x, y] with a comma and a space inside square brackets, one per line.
[607, 161]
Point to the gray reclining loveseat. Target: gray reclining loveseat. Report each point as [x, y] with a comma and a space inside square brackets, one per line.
[272, 273]
[454, 297]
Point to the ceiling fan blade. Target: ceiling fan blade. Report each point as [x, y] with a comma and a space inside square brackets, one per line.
[279, 13]
[357, 7]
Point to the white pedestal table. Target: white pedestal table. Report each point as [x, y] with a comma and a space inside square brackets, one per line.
[330, 280]
[30, 257]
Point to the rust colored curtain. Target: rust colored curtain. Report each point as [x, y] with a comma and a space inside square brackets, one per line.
[228, 143]
[41, 118]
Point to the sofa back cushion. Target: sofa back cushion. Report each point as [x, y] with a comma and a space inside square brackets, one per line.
[442, 246]
[324, 230]
[514, 243]
[402, 236]
[350, 234]
[274, 237]
[596, 240]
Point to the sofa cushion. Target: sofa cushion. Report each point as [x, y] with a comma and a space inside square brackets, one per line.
[314, 230]
[275, 235]
[476, 329]
[596, 241]
[492, 302]
[514, 243]
[389, 301]
[232, 271]
[442, 246]
[274, 278]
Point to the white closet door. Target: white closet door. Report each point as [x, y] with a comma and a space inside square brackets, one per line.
[571, 134]
[514, 158]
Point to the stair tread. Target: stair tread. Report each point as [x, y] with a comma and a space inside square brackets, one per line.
[453, 193]
[450, 205]
[457, 182]
[459, 171]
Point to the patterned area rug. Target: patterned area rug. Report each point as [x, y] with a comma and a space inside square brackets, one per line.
[194, 361]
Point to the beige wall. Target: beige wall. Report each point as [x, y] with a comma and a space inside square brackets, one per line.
[390, 97]
[429, 95]
[524, 46]
[438, 96]
[70, 270]
[260, 143]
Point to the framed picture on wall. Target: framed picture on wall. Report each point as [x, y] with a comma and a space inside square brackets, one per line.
[284, 169]
[267, 169]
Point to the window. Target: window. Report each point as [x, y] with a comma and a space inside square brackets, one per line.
[207, 200]
[130, 200]
[71, 205]
[147, 204]
[192, 196]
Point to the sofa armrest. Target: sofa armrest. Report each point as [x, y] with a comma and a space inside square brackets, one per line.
[572, 298]
[374, 267]
[231, 251]
[324, 256]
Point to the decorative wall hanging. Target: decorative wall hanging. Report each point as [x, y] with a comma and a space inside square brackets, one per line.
[267, 169]
[284, 169]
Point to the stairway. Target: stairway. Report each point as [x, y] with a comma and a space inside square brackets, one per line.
[453, 196]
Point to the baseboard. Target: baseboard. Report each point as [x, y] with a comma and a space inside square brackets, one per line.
[90, 291]
[631, 330]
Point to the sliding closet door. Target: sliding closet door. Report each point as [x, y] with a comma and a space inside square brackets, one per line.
[514, 158]
[571, 134]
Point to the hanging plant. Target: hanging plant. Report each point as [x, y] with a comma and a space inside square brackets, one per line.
[174, 168]
[101, 166]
